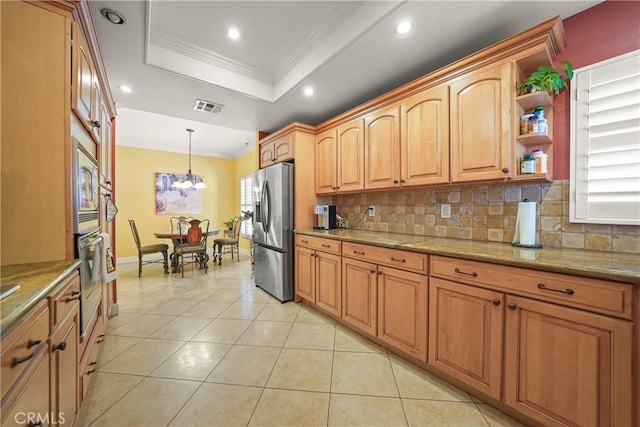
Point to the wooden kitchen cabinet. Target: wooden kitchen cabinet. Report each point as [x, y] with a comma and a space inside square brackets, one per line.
[84, 80]
[317, 274]
[31, 404]
[382, 148]
[64, 368]
[326, 162]
[466, 326]
[480, 124]
[106, 144]
[340, 158]
[402, 310]
[424, 137]
[360, 295]
[276, 151]
[567, 367]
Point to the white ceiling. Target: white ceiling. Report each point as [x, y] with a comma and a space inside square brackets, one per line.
[174, 52]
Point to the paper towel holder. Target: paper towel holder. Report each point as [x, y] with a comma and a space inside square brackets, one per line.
[521, 245]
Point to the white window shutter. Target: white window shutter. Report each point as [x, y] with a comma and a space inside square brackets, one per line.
[605, 142]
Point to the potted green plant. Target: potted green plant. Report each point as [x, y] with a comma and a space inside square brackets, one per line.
[547, 78]
[245, 216]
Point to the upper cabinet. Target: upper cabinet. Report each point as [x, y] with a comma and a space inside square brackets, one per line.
[460, 123]
[480, 125]
[424, 137]
[83, 78]
[277, 150]
[340, 158]
[106, 146]
[382, 148]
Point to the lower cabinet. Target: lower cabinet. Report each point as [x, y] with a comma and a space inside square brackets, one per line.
[64, 371]
[466, 326]
[568, 367]
[317, 273]
[31, 407]
[386, 302]
[359, 295]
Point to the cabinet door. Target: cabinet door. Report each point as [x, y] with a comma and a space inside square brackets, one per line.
[402, 310]
[267, 156]
[382, 148]
[83, 78]
[305, 273]
[329, 282]
[424, 138]
[351, 156]
[325, 162]
[283, 148]
[33, 400]
[481, 124]
[566, 366]
[64, 366]
[106, 160]
[465, 334]
[359, 294]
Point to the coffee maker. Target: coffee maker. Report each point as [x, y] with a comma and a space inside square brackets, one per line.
[325, 217]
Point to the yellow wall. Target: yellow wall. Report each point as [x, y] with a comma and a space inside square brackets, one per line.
[245, 165]
[135, 191]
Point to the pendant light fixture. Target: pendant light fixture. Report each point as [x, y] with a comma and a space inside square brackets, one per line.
[190, 180]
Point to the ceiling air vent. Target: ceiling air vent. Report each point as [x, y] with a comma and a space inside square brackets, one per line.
[207, 106]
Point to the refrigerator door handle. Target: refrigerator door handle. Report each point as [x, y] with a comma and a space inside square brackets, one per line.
[267, 207]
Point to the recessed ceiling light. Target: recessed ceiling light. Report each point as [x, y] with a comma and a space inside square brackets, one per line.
[125, 89]
[404, 27]
[233, 33]
[309, 91]
[113, 16]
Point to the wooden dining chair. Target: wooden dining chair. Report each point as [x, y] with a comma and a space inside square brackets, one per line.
[195, 244]
[230, 242]
[162, 248]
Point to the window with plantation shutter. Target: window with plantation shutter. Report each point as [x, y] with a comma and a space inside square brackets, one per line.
[246, 204]
[605, 142]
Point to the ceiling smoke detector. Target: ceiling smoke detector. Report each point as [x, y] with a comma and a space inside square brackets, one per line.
[207, 106]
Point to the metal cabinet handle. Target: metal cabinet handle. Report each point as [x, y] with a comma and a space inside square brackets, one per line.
[304, 241]
[402, 181]
[62, 346]
[512, 306]
[372, 271]
[15, 361]
[324, 245]
[472, 274]
[496, 302]
[31, 343]
[75, 296]
[33, 424]
[395, 181]
[95, 124]
[398, 259]
[100, 338]
[380, 271]
[358, 252]
[567, 291]
[505, 170]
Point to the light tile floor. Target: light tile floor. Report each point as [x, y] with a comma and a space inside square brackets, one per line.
[214, 350]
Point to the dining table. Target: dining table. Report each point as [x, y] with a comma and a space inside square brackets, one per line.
[177, 239]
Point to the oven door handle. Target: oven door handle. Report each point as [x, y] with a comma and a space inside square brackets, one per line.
[85, 245]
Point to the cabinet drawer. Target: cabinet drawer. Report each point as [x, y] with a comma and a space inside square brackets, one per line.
[596, 295]
[325, 245]
[404, 260]
[64, 299]
[21, 347]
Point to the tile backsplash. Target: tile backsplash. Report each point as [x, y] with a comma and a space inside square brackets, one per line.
[485, 212]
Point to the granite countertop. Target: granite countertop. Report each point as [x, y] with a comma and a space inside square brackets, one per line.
[36, 281]
[596, 264]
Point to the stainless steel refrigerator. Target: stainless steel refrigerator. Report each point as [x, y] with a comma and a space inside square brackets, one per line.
[273, 230]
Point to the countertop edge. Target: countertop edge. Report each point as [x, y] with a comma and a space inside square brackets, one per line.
[8, 321]
[618, 275]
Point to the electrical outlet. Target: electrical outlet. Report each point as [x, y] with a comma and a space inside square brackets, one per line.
[372, 210]
[445, 210]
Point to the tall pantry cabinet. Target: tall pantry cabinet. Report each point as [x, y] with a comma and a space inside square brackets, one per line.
[36, 223]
